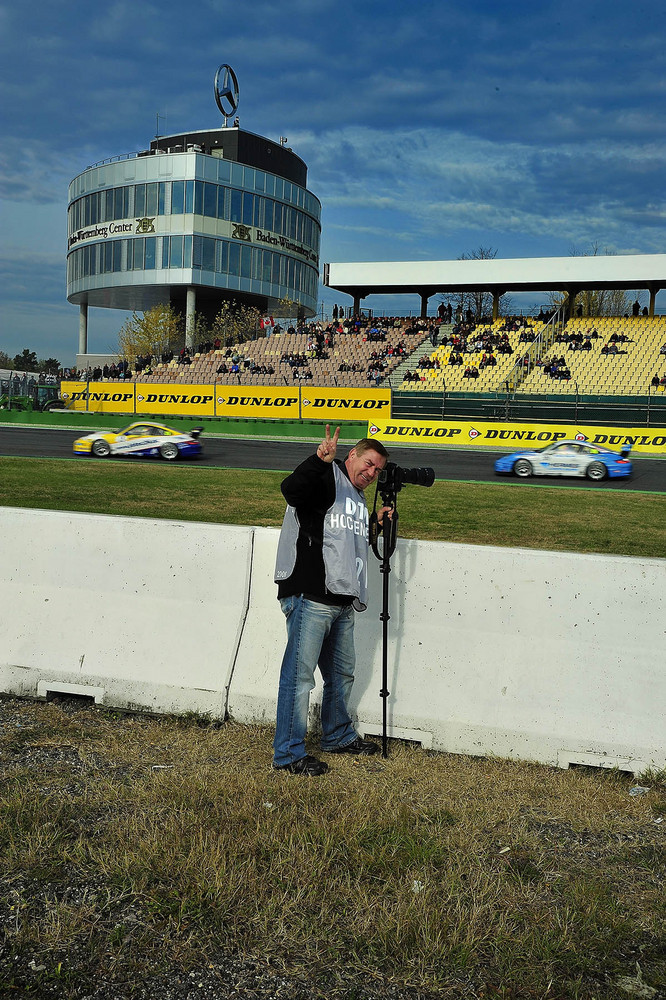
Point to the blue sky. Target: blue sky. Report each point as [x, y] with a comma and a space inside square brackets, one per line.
[429, 129]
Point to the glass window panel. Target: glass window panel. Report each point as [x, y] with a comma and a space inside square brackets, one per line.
[236, 205]
[117, 255]
[151, 247]
[279, 187]
[222, 256]
[176, 258]
[266, 265]
[270, 184]
[248, 204]
[137, 264]
[187, 251]
[177, 197]
[234, 258]
[208, 254]
[198, 197]
[151, 200]
[189, 197]
[222, 202]
[127, 201]
[196, 251]
[140, 200]
[246, 262]
[259, 180]
[162, 197]
[130, 255]
[210, 200]
[165, 251]
[269, 217]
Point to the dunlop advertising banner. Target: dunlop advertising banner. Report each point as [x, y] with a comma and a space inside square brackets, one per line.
[98, 397]
[331, 405]
[268, 402]
[175, 400]
[261, 402]
[513, 437]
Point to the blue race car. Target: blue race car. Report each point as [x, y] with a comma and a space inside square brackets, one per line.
[567, 458]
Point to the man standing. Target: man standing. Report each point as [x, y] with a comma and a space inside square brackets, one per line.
[321, 573]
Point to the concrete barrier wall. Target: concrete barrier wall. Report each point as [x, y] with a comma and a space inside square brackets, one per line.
[147, 613]
[554, 657]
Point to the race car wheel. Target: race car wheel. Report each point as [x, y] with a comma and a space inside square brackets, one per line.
[169, 451]
[596, 471]
[523, 468]
[101, 449]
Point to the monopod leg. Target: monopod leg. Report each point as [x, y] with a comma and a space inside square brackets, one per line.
[385, 569]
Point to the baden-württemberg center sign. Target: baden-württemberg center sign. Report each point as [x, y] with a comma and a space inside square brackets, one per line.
[197, 218]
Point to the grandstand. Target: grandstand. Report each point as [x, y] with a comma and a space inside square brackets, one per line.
[590, 372]
[588, 383]
[292, 355]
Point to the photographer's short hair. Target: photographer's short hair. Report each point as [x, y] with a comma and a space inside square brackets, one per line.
[370, 444]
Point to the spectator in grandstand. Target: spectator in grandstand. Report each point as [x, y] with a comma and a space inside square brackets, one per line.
[662, 349]
[587, 345]
[655, 380]
[662, 380]
[636, 308]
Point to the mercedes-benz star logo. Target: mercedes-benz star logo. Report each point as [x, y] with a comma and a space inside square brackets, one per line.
[226, 90]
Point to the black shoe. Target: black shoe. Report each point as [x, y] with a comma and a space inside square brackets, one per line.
[357, 746]
[309, 766]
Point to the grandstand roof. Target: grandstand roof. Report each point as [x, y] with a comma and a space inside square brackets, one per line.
[518, 275]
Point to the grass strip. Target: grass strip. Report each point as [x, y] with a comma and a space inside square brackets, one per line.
[504, 514]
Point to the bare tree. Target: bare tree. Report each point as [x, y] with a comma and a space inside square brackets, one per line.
[478, 303]
[599, 301]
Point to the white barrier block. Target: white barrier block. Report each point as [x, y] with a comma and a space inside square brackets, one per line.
[519, 653]
[150, 611]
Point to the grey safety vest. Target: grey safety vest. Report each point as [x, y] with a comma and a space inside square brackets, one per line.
[345, 548]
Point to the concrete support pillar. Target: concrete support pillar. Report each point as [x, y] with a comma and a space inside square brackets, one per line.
[83, 328]
[496, 299]
[424, 304]
[357, 304]
[570, 303]
[190, 309]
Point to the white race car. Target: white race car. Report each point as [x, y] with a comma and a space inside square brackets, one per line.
[141, 439]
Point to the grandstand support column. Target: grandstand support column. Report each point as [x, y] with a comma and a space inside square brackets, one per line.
[360, 294]
[83, 328]
[571, 302]
[190, 308]
[653, 289]
[424, 304]
[497, 295]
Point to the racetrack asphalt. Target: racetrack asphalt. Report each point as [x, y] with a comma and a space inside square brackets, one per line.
[649, 474]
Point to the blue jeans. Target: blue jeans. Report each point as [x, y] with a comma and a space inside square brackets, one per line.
[316, 634]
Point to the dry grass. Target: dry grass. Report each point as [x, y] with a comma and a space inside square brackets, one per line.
[134, 843]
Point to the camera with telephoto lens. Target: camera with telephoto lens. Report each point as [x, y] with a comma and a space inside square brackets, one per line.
[392, 478]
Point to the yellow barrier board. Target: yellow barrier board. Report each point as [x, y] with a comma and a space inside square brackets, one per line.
[171, 400]
[98, 397]
[335, 405]
[266, 401]
[514, 437]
